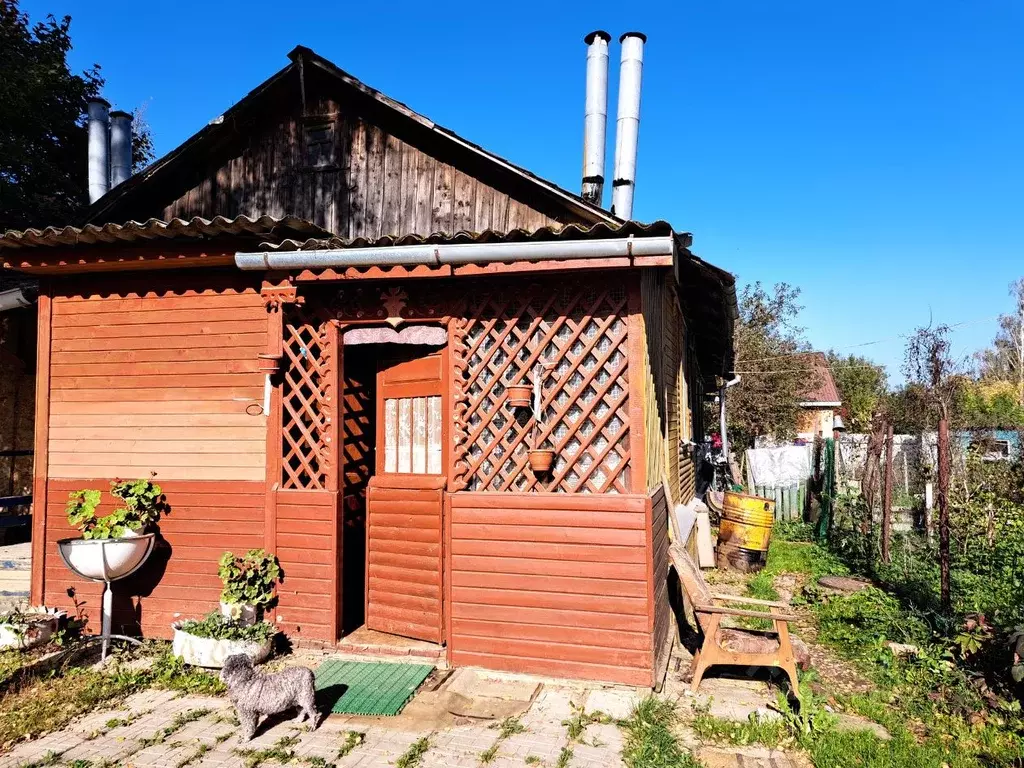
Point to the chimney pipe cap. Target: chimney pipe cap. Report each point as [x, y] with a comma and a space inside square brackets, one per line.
[595, 34]
[121, 113]
[641, 35]
[98, 100]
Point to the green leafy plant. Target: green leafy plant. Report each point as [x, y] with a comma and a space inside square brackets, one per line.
[218, 627]
[142, 503]
[250, 578]
[974, 634]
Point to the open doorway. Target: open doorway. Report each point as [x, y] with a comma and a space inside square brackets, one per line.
[359, 442]
[393, 486]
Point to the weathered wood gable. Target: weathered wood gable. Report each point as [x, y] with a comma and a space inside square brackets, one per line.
[309, 144]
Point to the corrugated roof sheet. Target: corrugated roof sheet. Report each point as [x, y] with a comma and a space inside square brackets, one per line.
[155, 229]
[564, 232]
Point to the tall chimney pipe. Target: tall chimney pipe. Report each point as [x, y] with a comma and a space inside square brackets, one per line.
[120, 147]
[596, 119]
[627, 128]
[99, 148]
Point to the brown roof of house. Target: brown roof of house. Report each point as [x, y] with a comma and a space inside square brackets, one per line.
[154, 229]
[821, 387]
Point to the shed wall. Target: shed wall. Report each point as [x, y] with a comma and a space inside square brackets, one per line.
[160, 380]
[552, 584]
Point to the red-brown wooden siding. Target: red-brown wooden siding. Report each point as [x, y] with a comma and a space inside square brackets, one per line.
[158, 380]
[554, 584]
[403, 533]
[206, 517]
[306, 542]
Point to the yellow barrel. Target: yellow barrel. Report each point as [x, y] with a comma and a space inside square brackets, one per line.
[744, 532]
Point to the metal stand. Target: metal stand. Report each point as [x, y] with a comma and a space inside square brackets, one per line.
[104, 574]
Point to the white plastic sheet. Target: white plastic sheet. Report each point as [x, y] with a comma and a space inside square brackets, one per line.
[780, 467]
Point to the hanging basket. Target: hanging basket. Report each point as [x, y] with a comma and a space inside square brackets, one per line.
[519, 395]
[541, 460]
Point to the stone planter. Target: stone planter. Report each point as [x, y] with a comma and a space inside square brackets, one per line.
[244, 613]
[36, 628]
[209, 652]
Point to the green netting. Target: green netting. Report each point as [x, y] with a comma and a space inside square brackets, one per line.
[367, 688]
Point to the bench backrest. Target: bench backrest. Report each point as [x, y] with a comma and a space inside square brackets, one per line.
[697, 590]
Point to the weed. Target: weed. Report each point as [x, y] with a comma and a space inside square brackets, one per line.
[281, 751]
[564, 757]
[650, 742]
[50, 758]
[80, 764]
[755, 730]
[489, 754]
[180, 721]
[509, 727]
[352, 740]
[412, 756]
[533, 760]
[169, 671]
[577, 724]
[195, 757]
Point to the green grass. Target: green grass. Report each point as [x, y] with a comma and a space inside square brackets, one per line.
[650, 742]
[281, 751]
[754, 730]
[564, 758]
[180, 721]
[412, 756]
[532, 760]
[352, 740]
[576, 725]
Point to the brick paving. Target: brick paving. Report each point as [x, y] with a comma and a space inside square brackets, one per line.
[157, 729]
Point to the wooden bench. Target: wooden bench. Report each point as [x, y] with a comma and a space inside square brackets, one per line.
[732, 646]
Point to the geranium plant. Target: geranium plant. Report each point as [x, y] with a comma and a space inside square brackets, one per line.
[250, 578]
[217, 627]
[142, 504]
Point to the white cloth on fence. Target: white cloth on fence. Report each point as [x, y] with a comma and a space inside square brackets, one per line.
[780, 467]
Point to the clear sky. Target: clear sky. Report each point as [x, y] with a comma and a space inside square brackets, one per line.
[871, 153]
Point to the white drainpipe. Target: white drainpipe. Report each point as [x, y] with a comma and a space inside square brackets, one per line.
[99, 148]
[721, 415]
[596, 116]
[457, 253]
[627, 129]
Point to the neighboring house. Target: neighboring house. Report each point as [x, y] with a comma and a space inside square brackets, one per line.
[820, 401]
[307, 329]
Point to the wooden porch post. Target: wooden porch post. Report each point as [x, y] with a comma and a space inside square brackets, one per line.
[40, 466]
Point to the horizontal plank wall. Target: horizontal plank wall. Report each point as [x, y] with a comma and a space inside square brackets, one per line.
[180, 579]
[552, 584]
[155, 373]
[306, 532]
[158, 380]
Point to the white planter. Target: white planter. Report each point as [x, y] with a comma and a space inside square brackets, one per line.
[106, 559]
[37, 630]
[208, 652]
[244, 613]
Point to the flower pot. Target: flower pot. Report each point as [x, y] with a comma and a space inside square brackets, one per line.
[519, 395]
[210, 652]
[106, 559]
[245, 614]
[541, 460]
[35, 628]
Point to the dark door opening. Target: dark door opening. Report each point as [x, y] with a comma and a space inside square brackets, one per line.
[360, 437]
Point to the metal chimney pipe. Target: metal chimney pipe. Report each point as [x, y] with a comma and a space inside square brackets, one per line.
[99, 148]
[596, 116]
[627, 128]
[120, 147]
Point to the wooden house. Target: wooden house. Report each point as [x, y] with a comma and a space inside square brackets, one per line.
[307, 329]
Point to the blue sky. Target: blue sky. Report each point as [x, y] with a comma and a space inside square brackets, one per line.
[871, 153]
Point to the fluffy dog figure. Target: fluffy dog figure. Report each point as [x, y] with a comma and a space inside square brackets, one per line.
[257, 693]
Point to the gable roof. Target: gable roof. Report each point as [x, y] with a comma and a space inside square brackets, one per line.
[821, 389]
[302, 58]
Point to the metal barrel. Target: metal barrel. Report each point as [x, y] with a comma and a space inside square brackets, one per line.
[744, 532]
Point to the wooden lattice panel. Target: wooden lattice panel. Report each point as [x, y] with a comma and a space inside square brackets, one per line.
[305, 403]
[576, 339]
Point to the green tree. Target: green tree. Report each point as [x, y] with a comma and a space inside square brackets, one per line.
[862, 385]
[43, 139]
[767, 341]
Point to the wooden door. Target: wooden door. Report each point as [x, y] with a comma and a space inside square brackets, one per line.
[405, 497]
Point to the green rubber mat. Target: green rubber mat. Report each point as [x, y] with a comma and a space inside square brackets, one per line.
[367, 688]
